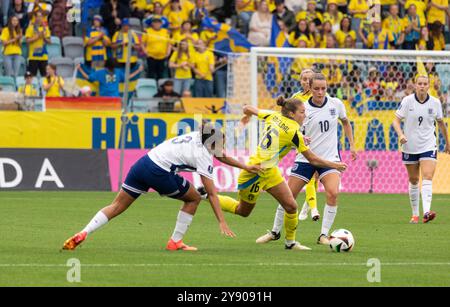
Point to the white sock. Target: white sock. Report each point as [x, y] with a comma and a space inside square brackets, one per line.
[97, 221]
[279, 220]
[329, 213]
[184, 220]
[414, 195]
[427, 195]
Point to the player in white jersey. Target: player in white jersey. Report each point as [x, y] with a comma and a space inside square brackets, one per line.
[158, 170]
[420, 111]
[322, 116]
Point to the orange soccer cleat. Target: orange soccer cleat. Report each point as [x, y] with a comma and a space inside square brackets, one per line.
[414, 220]
[173, 246]
[74, 241]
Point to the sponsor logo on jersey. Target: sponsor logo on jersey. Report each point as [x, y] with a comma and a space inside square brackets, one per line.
[210, 169]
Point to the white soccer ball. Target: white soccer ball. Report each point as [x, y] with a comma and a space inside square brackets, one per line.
[341, 240]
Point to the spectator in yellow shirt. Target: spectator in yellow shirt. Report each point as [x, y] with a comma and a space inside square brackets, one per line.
[11, 39]
[301, 32]
[156, 46]
[186, 33]
[424, 42]
[333, 15]
[411, 28]
[344, 31]
[394, 24]
[245, 10]
[203, 68]
[182, 62]
[37, 36]
[39, 6]
[326, 30]
[421, 7]
[380, 38]
[437, 10]
[437, 35]
[28, 89]
[311, 13]
[176, 17]
[120, 45]
[358, 10]
[52, 84]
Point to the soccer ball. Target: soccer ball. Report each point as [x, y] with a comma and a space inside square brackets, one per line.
[341, 240]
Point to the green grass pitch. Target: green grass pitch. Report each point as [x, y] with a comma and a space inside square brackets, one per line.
[130, 249]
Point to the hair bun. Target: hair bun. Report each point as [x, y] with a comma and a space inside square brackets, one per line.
[281, 101]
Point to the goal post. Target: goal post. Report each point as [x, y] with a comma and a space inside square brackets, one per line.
[371, 83]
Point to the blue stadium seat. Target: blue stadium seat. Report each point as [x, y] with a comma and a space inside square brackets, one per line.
[146, 88]
[54, 48]
[7, 84]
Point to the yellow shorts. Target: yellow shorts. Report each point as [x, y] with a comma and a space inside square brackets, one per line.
[250, 185]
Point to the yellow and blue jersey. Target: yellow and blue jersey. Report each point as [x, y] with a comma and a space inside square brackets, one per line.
[97, 51]
[279, 136]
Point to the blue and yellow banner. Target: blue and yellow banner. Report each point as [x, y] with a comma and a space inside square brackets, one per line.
[228, 38]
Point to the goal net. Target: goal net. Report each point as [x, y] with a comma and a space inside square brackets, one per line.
[371, 83]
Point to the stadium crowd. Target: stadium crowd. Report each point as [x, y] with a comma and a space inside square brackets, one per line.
[169, 40]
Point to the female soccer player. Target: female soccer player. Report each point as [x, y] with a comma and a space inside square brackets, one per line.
[158, 170]
[321, 126]
[282, 132]
[311, 188]
[420, 111]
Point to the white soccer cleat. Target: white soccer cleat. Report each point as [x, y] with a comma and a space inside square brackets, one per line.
[269, 236]
[297, 246]
[304, 212]
[323, 240]
[315, 215]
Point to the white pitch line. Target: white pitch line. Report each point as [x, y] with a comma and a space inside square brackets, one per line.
[223, 264]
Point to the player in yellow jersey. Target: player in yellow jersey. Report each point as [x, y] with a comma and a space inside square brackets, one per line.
[281, 133]
[311, 188]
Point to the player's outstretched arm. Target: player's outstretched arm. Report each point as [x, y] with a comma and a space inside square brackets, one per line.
[210, 188]
[254, 169]
[319, 162]
[398, 129]
[444, 132]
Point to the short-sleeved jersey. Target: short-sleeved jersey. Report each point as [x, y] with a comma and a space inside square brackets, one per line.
[184, 153]
[108, 82]
[419, 120]
[96, 51]
[203, 62]
[321, 125]
[37, 50]
[279, 136]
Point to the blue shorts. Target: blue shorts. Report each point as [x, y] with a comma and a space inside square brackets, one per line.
[416, 158]
[305, 171]
[145, 174]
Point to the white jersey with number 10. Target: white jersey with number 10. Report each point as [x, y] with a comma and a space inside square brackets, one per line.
[321, 125]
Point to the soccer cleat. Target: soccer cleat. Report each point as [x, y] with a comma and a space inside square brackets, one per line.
[269, 236]
[74, 241]
[414, 220]
[323, 239]
[304, 212]
[429, 216]
[315, 215]
[173, 246]
[297, 246]
[203, 193]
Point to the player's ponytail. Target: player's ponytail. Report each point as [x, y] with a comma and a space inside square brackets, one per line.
[281, 101]
[288, 105]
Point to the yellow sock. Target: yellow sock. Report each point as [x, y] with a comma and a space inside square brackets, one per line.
[228, 204]
[290, 225]
[311, 196]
